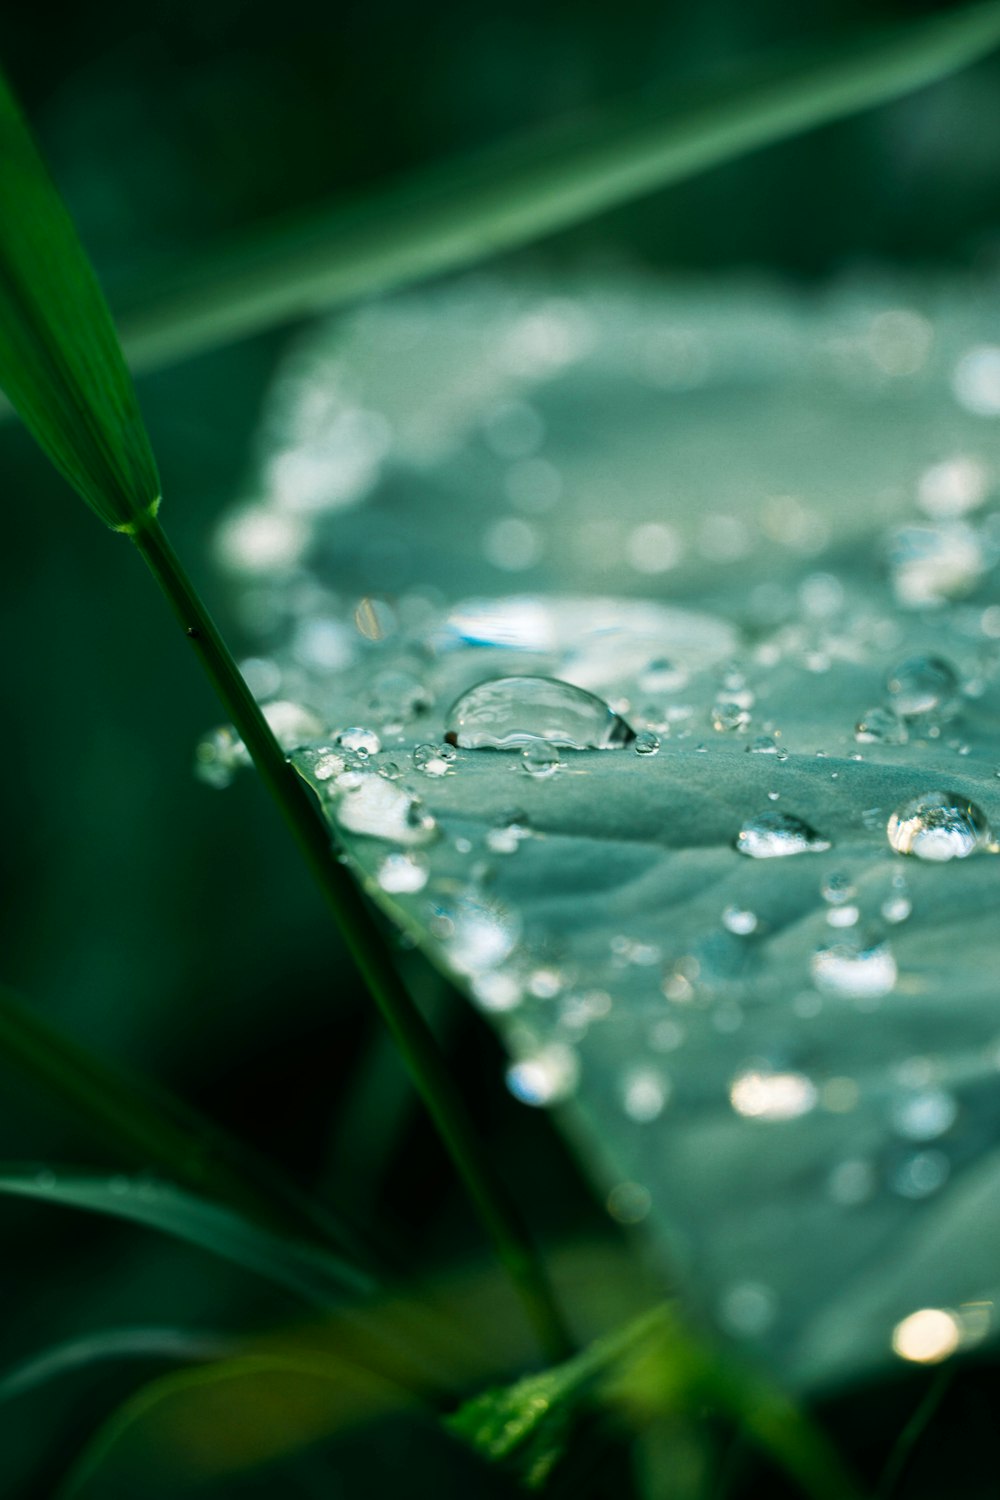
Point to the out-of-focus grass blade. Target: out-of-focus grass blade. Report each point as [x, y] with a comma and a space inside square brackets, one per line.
[196, 1426]
[179, 1345]
[460, 212]
[60, 363]
[653, 1367]
[148, 1127]
[318, 1277]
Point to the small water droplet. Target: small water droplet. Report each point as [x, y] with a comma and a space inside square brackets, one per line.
[540, 760]
[728, 718]
[361, 742]
[939, 826]
[740, 921]
[508, 713]
[880, 726]
[774, 835]
[854, 973]
[434, 760]
[923, 687]
[401, 873]
[646, 742]
[763, 744]
[761, 1095]
[920, 1175]
[923, 1114]
[645, 1092]
[547, 1077]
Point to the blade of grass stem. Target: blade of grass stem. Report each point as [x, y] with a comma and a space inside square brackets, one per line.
[460, 212]
[366, 944]
[109, 1345]
[66, 320]
[316, 1276]
[150, 1127]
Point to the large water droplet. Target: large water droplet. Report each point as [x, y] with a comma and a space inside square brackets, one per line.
[923, 687]
[383, 810]
[939, 826]
[773, 835]
[507, 713]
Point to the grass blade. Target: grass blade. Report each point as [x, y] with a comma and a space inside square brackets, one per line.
[61, 365]
[150, 1128]
[651, 1367]
[461, 212]
[318, 1277]
[111, 1344]
[60, 362]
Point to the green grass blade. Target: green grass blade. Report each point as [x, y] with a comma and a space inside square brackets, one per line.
[60, 362]
[651, 1367]
[316, 1276]
[196, 1426]
[179, 1345]
[148, 1127]
[461, 212]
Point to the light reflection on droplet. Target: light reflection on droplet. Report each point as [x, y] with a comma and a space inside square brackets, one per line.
[547, 1077]
[760, 1095]
[927, 1336]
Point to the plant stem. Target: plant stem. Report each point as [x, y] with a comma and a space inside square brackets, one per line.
[414, 1038]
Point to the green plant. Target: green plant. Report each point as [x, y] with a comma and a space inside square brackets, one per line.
[60, 366]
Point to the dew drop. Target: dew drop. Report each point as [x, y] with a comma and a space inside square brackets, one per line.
[939, 826]
[508, 713]
[547, 1077]
[740, 921]
[923, 687]
[644, 1093]
[363, 742]
[728, 718]
[774, 835]
[402, 873]
[383, 810]
[880, 726]
[760, 1095]
[541, 760]
[646, 742]
[854, 973]
[434, 760]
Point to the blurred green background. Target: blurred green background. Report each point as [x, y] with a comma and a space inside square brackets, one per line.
[167, 925]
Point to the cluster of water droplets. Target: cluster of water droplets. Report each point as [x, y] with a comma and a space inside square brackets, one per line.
[683, 856]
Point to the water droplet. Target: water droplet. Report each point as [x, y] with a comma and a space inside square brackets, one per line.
[219, 756]
[931, 564]
[629, 1202]
[843, 916]
[434, 760]
[507, 713]
[939, 826]
[541, 760]
[644, 1094]
[923, 687]
[761, 1095]
[478, 934]
[383, 810]
[854, 973]
[662, 676]
[880, 726]
[920, 1175]
[896, 909]
[736, 919]
[291, 723]
[747, 1309]
[774, 835]
[927, 1336]
[547, 1077]
[837, 889]
[361, 742]
[646, 742]
[507, 836]
[401, 873]
[729, 717]
[765, 744]
[496, 991]
[923, 1114]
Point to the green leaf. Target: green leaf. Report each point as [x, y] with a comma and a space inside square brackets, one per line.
[680, 499]
[461, 212]
[60, 363]
[316, 1276]
[149, 1127]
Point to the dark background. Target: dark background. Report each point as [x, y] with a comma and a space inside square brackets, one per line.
[169, 926]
